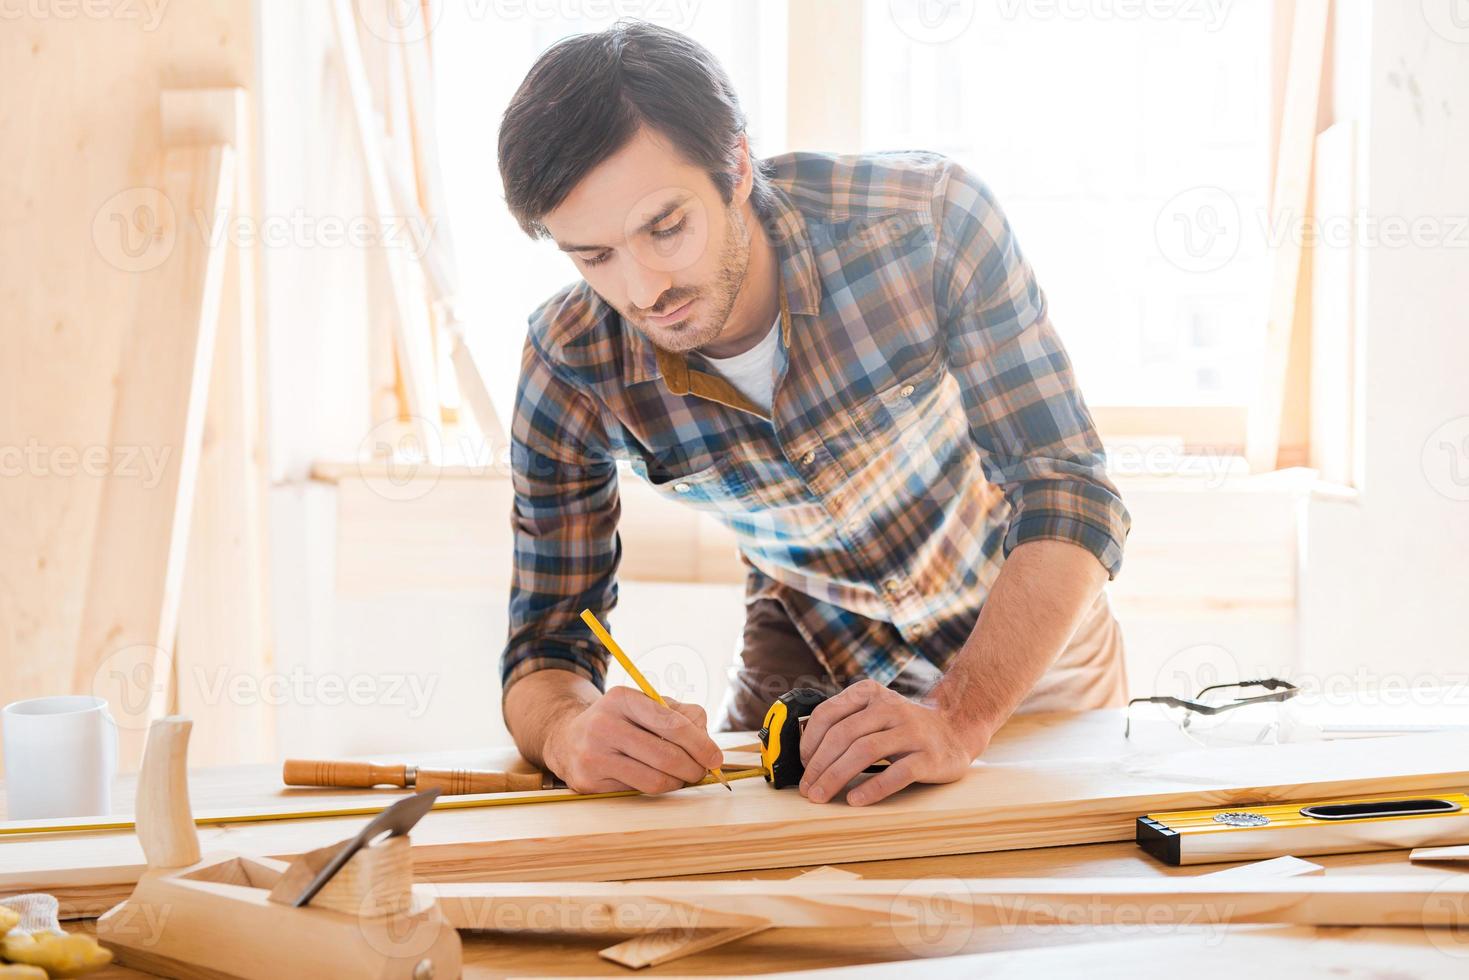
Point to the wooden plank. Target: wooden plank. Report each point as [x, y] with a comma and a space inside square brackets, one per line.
[1361, 900]
[1288, 204]
[1201, 953]
[996, 807]
[132, 602]
[224, 621]
[410, 311]
[72, 242]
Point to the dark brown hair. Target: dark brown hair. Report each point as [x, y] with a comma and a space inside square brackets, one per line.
[585, 98]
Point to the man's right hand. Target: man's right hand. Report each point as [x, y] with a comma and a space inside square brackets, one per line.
[626, 740]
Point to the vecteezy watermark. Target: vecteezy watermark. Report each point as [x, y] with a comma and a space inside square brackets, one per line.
[1446, 917]
[1210, 13]
[569, 915]
[932, 21]
[1212, 467]
[938, 916]
[147, 13]
[299, 229]
[136, 680]
[298, 687]
[137, 229]
[402, 22]
[399, 21]
[402, 460]
[134, 230]
[142, 463]
[1200, 229]
[1445, 458]
[676, 671]
[1449, 19]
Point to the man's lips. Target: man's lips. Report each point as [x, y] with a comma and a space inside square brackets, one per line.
[672, 316]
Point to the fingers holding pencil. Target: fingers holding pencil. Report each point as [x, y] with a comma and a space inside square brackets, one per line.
[622, 658]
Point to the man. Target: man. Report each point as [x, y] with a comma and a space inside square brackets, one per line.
[845, 359]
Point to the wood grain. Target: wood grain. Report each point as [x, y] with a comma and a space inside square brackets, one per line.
[224, 615]
[1410, 900]
[82, 136]
[995, 807]
[130, 617]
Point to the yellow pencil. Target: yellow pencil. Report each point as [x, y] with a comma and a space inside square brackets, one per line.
[590, 618]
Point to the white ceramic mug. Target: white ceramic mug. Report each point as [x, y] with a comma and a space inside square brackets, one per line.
[60, 757]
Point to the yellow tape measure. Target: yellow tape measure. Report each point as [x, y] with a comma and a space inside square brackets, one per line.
[30, 828]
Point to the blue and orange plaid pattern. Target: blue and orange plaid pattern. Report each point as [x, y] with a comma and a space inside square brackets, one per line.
[925, 422]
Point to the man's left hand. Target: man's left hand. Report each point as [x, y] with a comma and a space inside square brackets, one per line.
[867, 723]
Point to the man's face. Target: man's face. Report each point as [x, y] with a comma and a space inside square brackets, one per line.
[651, 235]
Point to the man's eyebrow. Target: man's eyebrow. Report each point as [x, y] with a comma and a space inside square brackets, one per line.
[663, 212]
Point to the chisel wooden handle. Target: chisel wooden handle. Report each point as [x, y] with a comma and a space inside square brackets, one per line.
[454, 782]
[357, 775]
[449, 782]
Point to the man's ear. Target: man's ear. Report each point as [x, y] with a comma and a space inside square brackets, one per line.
[745, 176]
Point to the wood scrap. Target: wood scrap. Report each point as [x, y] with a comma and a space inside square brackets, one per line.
[1285, 866]
[666, 945]
[1456, 852]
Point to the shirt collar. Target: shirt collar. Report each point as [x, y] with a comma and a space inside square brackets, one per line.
[798, 286]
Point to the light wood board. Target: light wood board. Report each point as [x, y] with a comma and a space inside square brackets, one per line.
[809, 902]
[1288, 208]
[224, 621]
[80, 100]
[135, 580]
[1200, 954]
[705, 829]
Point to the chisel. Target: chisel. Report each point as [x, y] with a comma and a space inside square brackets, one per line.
[450, 782]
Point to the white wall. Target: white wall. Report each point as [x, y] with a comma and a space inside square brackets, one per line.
[1386, 575]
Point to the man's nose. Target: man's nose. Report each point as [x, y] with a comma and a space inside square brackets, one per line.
[645, 285]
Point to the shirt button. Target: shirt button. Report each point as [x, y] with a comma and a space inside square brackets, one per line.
[808, 459]
[681, 487]
[892, 585]
[906, 390]
[918, 632]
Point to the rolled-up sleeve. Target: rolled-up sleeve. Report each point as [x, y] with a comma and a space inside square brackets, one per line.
[566, 546]
[1036, 438]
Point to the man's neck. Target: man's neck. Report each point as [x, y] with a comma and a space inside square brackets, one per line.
[756, 305]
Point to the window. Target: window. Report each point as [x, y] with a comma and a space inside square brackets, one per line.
[1131, 154]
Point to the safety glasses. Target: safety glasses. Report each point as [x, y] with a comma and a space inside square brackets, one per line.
[1240, 713]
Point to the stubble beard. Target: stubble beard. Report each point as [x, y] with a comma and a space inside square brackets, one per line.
[734, 263]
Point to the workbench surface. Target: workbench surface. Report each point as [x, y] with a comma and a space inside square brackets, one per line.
[1144, 950]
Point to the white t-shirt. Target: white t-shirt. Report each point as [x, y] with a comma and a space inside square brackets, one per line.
[753, 372]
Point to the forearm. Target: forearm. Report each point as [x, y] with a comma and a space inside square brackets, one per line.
[540, 702]
[1039, 598]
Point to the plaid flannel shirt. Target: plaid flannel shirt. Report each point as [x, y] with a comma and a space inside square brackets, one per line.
[925, 422]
